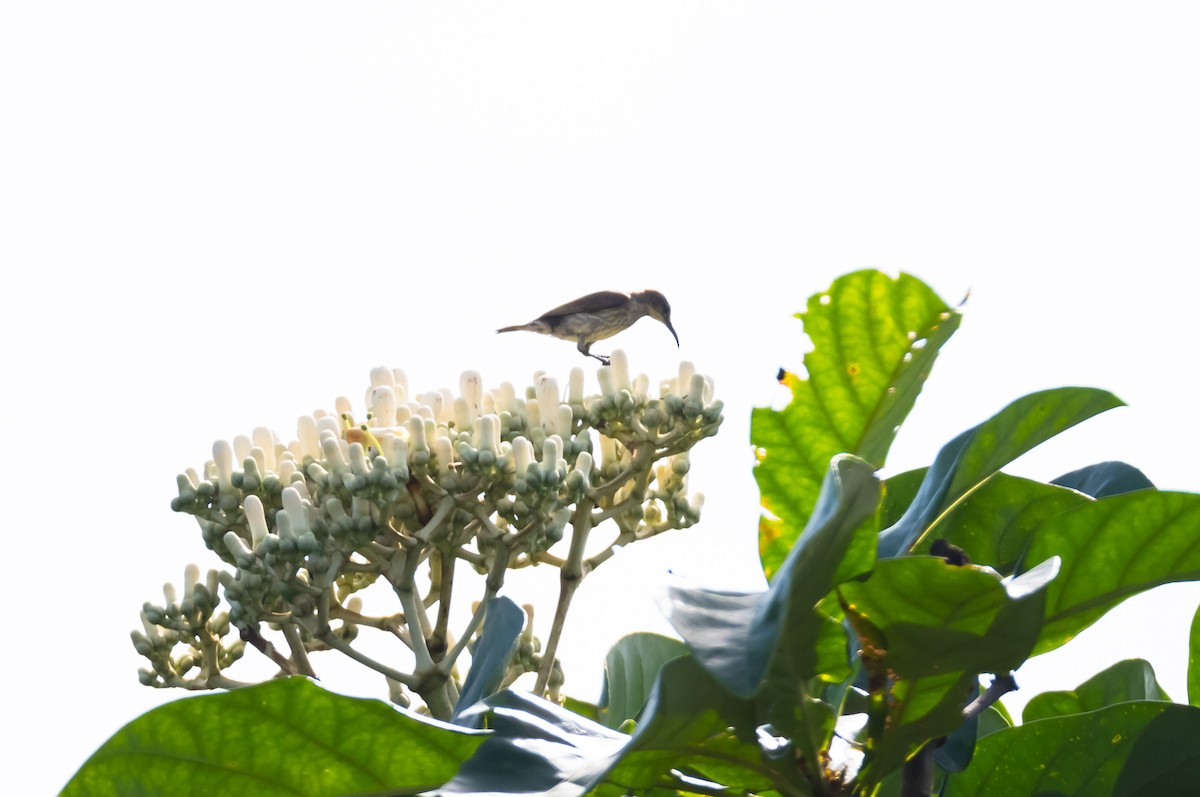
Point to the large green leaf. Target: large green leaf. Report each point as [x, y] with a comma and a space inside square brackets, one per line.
[995, 523]
[539, 748]
[492, 652]
[977, 454]
[1132, 679]
[930, 628]
[1113, 548]
[925, 617]
[1193, 671]
[1148, 749]
[875, 340]
[686, 727]
[1104, 479]
[287, 737]
[535, 748]
[630, 670]
[736, 634]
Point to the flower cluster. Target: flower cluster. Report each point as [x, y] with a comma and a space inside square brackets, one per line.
[492, 478]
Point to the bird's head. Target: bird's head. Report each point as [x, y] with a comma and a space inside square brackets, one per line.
[657, 307]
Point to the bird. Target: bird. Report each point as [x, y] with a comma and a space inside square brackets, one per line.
[598, 316]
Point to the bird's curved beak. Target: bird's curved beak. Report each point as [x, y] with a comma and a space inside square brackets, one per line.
[673, 333]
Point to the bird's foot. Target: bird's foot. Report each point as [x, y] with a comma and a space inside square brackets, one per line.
[603, 360]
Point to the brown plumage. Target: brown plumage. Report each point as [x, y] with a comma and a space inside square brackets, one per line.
[598, 316]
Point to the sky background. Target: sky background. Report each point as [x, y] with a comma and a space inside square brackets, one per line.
[219, 216]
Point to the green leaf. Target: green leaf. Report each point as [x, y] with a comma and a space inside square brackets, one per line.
[736, 634]
[995, 523]
[283, 737]
[1104, 479]
[1132, 679]
[1150, 749]
[875, 340]
[977, 454]
[930, 628]
[1024, 424]
[686, 727]
[535, 748]
[538, 748]
[924, 616]
[899, 491]
[994, 718]
[492, 652]
[916, 711]
[1193, 672]
[630, 670]
[1113, 548]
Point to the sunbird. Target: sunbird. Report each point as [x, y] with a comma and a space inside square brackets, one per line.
[598, 316]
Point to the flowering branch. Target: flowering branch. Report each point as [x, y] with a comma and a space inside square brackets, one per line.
[428, 485]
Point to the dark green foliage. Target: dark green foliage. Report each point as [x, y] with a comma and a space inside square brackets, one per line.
[908, 601]
[284, 737]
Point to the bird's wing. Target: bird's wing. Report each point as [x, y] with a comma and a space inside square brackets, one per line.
[603, 300]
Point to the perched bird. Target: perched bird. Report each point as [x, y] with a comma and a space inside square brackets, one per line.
[598, 316]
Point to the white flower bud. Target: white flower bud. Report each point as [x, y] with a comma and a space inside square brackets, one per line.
[447, 407]
[330, 424]
[241, 448]
[583, 464]
[619, 364]
[522, 454]
[293, 504]
[575, 386]
[433, 401]
[152, 630]
[382, 401]
[607, 382]
[470, 384]
[358, 458]
[331, 447]
[416, 435]
[403, 413]
[488, 437]
[223, 460]
[259, 458]
[256, 519]
[641, 386]
[265, 439]
[564, 420]
[381, 375]
[170, 594]
[237, 547]
[400, 381]
[283, 525]
[547, 400]
[444, 451]
[191, 577]
[552, 455]
[608, 452]
[342, 406]
[686, 370]
[306, 430]
[463, 416]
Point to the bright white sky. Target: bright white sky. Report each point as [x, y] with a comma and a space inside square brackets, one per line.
[219, 216]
